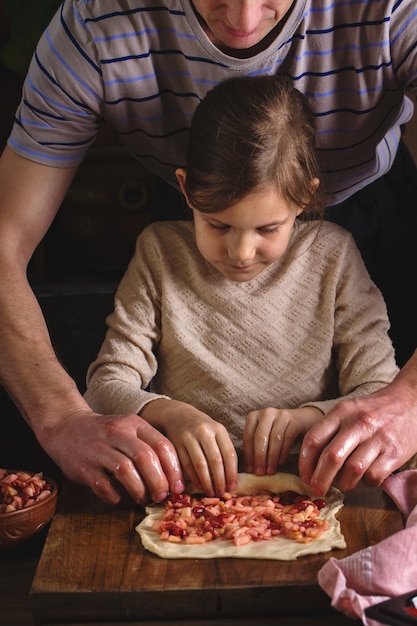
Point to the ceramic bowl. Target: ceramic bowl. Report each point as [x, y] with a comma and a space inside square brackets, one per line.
[18, 526]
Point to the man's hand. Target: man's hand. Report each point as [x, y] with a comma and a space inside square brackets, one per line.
[105, 452]
[367, 437]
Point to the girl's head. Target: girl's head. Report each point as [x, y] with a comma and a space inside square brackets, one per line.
[251, 170]
[247, 134]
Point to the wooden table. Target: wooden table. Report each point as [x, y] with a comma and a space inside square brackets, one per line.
[94, 569]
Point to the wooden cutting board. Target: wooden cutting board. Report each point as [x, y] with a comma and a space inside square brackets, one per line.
[93, 567]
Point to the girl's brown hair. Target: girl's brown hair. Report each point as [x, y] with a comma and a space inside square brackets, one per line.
[248, 133]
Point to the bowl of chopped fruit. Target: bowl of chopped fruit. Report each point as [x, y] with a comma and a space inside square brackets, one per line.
[27, 504]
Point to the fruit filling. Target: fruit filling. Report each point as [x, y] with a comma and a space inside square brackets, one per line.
[19, 490]
[241, 519]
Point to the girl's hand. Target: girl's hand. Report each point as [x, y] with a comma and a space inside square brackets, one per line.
[205, 450]
[270, 433]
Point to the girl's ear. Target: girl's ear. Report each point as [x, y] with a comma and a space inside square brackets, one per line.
[313, 187]
[314, 184]
[181, 175]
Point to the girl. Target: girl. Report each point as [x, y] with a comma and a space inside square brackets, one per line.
[237, 331]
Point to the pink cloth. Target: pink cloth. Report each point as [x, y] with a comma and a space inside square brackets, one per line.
[384, 570]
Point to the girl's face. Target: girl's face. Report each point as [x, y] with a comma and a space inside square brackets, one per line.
[243, 240]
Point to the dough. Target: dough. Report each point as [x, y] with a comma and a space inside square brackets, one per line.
[277, 548]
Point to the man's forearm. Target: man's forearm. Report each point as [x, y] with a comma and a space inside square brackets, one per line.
[29, 369]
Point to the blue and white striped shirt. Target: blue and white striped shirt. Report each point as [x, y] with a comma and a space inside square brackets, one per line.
[144, 65]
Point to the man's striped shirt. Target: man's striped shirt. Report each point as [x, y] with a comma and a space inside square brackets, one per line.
[144, 65]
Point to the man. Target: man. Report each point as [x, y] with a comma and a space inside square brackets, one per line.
[143, 68]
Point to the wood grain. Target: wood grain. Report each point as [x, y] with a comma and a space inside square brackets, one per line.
[93, 567]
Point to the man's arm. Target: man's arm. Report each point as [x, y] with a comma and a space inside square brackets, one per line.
[30, 195]
[89, 448]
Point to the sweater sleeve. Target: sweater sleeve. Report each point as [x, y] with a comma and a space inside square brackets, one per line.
[363, 352]
[117, 380]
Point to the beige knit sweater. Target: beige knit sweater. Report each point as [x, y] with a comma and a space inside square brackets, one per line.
[310, 328]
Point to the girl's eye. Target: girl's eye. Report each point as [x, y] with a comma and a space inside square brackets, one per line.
[268, 230]
[262, 229]
[218, 226]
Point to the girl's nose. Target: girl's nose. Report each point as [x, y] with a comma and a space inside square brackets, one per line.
[241, 247]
